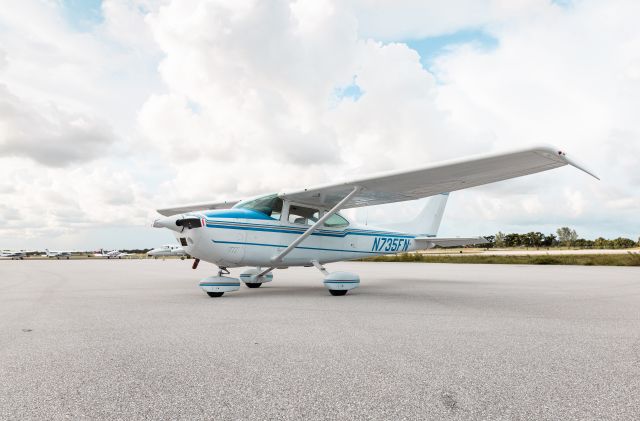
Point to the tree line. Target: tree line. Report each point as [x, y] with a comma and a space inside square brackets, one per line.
[564, 237]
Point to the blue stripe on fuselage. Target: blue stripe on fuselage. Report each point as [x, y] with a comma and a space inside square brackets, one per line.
[238, 214]
[298, 231]
[242, 243]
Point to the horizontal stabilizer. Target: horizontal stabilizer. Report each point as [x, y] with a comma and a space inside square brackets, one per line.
[430, 242]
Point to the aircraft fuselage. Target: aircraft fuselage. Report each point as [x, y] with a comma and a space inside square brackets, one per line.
[231, 239]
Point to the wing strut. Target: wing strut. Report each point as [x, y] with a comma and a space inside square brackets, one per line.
[312, 228]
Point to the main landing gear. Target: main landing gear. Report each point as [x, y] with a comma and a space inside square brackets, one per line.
[338, 283]
[216, 286]
[254, 278]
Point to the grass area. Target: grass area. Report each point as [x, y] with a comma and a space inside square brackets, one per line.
[629, 259]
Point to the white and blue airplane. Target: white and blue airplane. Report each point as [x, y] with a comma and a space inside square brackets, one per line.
[304, 227]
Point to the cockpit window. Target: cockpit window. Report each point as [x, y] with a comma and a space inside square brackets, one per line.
[336, 221]
[269, 205]
[303, 215]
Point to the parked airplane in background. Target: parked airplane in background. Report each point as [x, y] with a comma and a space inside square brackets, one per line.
[168, 250]
[305, 228]
[58, 254]
[12, 255]
[113, 254]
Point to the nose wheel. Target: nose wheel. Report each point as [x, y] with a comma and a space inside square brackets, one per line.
[216, 286]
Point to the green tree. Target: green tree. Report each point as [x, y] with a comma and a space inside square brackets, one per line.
[602, 243]
[491, 241]
[499, 239]
[583, 243]
[513, 240]
[535, 239]
[549, 240]
[567, 236]
[623, 243]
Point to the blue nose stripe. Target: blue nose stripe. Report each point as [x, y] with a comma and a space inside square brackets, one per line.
[215, 284]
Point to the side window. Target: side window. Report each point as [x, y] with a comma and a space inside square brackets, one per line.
[336, 221]
[302, 215]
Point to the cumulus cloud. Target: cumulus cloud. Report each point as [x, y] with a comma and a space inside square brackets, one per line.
[48, 134]
[182, 101]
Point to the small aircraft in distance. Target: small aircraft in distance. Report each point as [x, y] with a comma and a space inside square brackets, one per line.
[58, 254]
[12, 255]
[167, 250]
[304, 227]
[113, 254]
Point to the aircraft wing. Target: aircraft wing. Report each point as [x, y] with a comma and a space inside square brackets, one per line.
[196, 207]
[398, 186]
[430, 242]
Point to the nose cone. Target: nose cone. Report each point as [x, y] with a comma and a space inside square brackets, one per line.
[168, 222]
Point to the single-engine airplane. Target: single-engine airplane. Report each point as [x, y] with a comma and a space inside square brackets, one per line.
[111, 254]
[166, 251]
[304, 227]
[58, 254]
[12, 255]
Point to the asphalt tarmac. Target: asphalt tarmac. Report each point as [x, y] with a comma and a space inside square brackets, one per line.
[139, 340]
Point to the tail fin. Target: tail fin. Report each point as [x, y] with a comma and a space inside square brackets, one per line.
[428, 220]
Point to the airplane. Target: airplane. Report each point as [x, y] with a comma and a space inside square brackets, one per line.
[113, 254]
[305, 228]
[167, 250]
[12, 255]
[57, 254]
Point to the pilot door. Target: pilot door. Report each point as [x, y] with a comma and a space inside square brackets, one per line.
[296, 220]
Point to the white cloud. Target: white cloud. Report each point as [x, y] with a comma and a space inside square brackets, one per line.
[192, 100]
[49, 135]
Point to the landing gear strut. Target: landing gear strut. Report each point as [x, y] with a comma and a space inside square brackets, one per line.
[254, 278]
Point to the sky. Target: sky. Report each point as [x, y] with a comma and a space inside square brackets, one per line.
[111, 109]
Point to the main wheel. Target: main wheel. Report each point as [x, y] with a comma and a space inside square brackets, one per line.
[214, 294]
[338, 292]
[253, 284]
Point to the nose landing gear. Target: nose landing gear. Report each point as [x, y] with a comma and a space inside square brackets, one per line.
[216, 286]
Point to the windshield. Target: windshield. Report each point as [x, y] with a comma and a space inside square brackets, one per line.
[270, 205]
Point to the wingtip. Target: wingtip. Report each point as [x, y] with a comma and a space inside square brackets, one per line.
[581, 167]
[571, 161]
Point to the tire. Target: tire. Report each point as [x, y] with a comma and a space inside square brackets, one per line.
[338, 292]
[253, 284]
[214, 294]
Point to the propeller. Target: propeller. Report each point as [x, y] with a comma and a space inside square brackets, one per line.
[189, 223]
